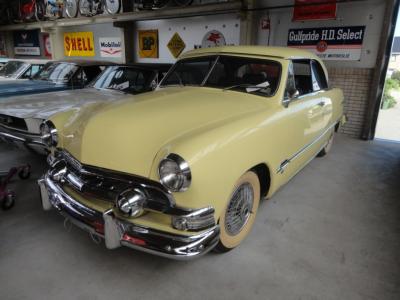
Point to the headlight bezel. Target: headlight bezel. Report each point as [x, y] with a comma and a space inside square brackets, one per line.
[49, 133]
[183, 174]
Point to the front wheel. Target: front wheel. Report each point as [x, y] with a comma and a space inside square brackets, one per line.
[239, 215]
[112, 6]
[71, 8]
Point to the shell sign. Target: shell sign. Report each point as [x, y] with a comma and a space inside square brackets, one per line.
[79, 44]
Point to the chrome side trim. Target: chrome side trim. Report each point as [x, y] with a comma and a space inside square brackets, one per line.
[286, 162]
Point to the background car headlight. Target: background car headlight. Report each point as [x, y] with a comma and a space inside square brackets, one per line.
[49, 134]
[175, 173]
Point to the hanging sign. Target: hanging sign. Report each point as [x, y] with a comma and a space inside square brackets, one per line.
[79, 44]
[305, 10]
[26, 42]
[148, 43]
[47, 45]
[176, 45]
[110, 47]
[213, 38]
[329, 43]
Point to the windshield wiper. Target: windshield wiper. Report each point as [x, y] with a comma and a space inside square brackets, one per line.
[249, 87]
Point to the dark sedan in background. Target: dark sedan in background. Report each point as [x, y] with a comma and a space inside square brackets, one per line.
[55, 76]
[21, 117]
[21, 68]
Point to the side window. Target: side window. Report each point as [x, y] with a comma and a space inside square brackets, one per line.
[27, 74]
[290, 83]
[79, 79]
[302, 76]
[318, 76]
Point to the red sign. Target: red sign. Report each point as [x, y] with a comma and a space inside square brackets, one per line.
[265, 24]
[305, 10]
[47, 45]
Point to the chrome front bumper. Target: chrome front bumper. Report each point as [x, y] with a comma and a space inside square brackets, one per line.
[117, 232]
[22, 138]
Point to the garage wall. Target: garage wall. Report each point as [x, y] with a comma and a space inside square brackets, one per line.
[354, 77]
[191, 30]
[99, 31]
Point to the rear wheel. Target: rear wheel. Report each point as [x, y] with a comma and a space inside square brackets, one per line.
[324, 151]
[239, 215]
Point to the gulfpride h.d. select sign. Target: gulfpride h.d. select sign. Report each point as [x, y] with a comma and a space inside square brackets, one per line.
[79, 44]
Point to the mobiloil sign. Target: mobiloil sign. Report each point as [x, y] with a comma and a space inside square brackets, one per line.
[329, 43]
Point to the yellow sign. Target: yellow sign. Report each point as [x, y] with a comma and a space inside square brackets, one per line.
[176, 45]
[79, 44]
[148, 43]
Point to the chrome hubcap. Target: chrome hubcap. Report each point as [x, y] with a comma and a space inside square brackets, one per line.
[239, 209]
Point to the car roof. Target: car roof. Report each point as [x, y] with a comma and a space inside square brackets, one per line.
[278, 52]
[30, 61]
[148, 66]
[85, 63]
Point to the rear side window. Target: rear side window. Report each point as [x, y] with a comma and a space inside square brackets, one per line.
[302, 76]
[318, 76]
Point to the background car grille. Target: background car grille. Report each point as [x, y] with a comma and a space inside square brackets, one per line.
[13, 122]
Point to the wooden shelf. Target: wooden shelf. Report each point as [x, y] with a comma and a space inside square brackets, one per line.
[167, 13]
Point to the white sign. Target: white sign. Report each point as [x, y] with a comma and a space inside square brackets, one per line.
[213, 38]
[27, 51]
[110, 47]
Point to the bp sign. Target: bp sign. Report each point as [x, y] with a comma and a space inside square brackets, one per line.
[176, 45]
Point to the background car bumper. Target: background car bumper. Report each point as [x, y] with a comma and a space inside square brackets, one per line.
[117, 232]
[23, 139]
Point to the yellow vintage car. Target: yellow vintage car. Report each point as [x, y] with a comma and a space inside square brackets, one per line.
[181, 170]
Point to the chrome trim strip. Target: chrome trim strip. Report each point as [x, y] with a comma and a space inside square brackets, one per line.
[21, 136]
[286, 162]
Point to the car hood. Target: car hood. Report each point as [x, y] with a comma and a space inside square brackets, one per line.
[9, 88]
[126, 135]
[45, 105]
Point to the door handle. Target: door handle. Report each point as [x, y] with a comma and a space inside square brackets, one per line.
[322, 103]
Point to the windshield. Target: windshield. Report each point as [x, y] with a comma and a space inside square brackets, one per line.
[126, 79]
[234, 72]
[13, 68]
[56, 72]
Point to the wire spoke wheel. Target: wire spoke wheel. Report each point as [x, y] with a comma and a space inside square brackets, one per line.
[239, 214]
[71, 8]
[85, 8]
[112, 6]
[239, 209]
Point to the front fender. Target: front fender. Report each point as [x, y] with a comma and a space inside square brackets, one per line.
[218, 155]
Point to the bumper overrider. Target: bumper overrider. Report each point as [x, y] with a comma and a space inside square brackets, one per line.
[200, 232]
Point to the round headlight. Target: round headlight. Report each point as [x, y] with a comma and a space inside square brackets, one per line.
[175, 173]
[49, 134]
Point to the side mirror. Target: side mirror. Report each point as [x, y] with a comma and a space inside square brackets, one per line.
[293, 93]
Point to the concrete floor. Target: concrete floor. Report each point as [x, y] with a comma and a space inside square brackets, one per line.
[333, 232]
